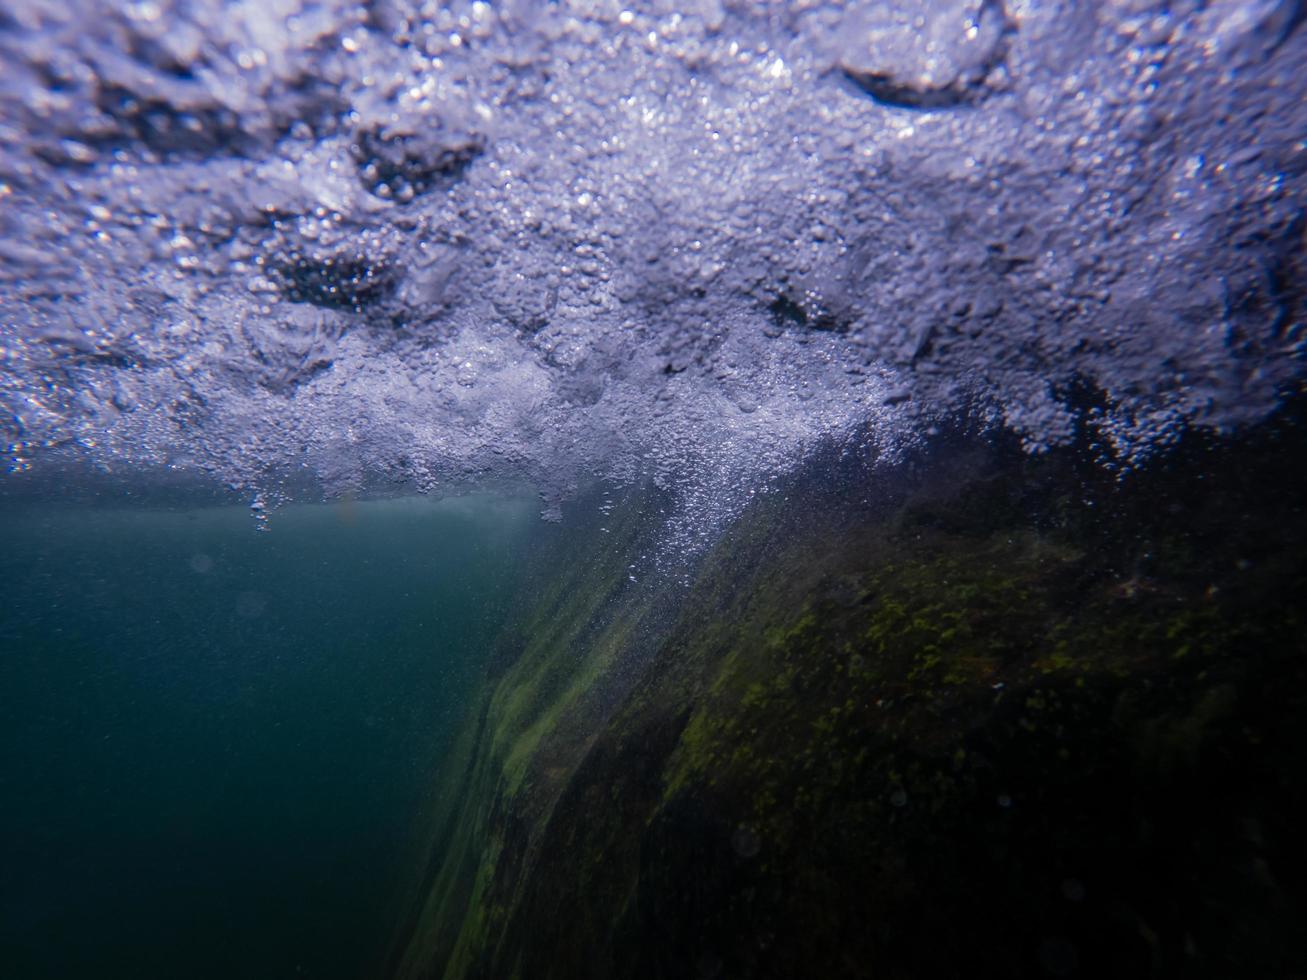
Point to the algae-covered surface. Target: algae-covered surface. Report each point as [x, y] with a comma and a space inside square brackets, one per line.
[976, 714]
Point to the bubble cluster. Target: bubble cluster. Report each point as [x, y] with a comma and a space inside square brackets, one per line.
[328, 247]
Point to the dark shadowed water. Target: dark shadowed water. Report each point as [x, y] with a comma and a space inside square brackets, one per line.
[216, 744]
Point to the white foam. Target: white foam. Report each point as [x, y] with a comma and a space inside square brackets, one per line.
[540, 243]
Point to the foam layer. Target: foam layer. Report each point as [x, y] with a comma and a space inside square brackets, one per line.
[421, 246]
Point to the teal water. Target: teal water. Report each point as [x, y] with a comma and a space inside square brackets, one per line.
[216, 745]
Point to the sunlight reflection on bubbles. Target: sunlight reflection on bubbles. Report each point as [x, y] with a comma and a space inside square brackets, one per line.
[396, 254]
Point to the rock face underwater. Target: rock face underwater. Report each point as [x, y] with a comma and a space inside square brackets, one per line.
[987, 715]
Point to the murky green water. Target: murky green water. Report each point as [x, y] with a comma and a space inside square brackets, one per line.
[217, 744]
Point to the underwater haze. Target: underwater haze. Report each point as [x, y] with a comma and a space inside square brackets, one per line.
[218, 744]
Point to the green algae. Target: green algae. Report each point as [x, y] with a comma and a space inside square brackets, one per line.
[894, 739]
[556, 676]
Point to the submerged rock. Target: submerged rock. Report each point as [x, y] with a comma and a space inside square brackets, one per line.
[1008, 719]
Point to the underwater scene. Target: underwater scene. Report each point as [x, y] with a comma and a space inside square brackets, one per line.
[661, 490]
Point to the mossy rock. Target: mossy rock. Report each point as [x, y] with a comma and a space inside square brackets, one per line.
[1011, 719]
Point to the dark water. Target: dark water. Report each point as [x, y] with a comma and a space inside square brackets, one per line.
[217, 744]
